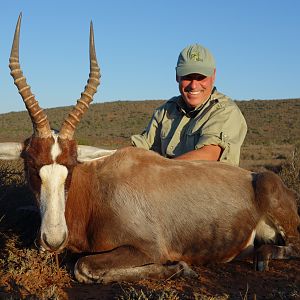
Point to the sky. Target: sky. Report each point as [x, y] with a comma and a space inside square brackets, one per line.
[256, 45]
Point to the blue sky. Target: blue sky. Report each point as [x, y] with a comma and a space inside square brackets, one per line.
[256, 45]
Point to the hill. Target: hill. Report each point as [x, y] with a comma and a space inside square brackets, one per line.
[273, 126]
[111, 124]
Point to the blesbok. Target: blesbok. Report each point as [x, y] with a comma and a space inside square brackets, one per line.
[146, 216]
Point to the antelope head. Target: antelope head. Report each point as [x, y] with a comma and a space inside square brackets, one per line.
[50, 157]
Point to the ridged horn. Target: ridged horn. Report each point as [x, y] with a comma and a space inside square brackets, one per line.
[40, 123]
[69, 125]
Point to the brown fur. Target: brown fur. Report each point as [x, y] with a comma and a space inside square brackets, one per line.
[36, 154]
[164, 210]
[197, 212]
[68, 157]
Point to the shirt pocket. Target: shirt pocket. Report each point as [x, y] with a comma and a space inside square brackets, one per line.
[192, 138]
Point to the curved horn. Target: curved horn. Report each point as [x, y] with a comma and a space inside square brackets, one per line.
[74, 117]
[40, 123]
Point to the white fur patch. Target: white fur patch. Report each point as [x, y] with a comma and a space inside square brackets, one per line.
[52, 206]
[265, 231]
[55, 150]
[251, 239]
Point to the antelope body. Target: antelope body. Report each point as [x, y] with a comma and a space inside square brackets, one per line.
[146, 216]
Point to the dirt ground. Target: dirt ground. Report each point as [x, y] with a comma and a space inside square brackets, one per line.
[235, 280]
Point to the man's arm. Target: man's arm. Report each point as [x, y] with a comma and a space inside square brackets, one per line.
[209, 152]
[221, 136]
[149, 138]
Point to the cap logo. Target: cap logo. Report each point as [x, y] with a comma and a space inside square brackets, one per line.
[196, 56]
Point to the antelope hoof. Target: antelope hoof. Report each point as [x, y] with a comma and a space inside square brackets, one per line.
[262, 265]
[84, 274]
[186, 270]
[262, 258]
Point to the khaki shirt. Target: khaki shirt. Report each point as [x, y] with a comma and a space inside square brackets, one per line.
[173, 130]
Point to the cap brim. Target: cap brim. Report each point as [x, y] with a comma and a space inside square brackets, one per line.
[190, 69]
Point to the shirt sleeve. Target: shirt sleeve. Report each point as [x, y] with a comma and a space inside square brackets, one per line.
[150, 138]
[226, 127]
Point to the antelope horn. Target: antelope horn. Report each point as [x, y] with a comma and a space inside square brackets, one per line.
[40, 123]
[74, 117]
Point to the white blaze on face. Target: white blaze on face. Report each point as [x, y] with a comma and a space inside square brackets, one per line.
[52, 201]
[55, 151]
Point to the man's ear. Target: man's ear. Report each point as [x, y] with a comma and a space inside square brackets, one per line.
[214, 74]
[177, 78]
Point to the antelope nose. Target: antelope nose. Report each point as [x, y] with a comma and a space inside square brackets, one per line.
[54, 244]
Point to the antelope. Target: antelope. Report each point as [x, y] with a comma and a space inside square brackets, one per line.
[140, 215]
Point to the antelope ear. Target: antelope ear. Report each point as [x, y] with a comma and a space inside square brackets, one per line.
[10, 151]
[89, 153]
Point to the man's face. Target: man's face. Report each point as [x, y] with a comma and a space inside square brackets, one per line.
[195, 88]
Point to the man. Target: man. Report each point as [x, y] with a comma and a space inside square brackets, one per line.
[201, 123]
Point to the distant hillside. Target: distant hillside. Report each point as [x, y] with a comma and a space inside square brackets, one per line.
[111, 124]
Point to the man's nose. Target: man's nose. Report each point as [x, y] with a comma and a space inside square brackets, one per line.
[194, 83]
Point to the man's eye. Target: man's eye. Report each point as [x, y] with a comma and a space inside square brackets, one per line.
[197, 77]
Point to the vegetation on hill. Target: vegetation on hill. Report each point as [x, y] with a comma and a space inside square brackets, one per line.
[270, 122]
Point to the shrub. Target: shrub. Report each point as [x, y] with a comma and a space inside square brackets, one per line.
[290, 172]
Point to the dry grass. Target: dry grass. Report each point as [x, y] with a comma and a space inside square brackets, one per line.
[146, 293]
[131, 293]
[28, 274]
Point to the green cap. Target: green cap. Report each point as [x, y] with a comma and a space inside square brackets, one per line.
[195, 59]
